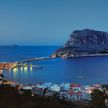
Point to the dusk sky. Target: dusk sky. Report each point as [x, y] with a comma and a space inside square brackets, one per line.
[49, 22]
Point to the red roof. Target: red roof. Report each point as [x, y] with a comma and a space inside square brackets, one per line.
[75, 85]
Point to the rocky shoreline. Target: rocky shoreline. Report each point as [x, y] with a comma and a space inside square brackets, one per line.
[80, 56]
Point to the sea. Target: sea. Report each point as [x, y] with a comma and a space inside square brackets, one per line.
[85, 70]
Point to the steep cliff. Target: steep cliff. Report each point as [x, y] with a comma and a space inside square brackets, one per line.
[85, 42]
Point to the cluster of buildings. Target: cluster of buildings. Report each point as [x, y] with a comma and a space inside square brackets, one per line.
[6, 65]
[68, 91]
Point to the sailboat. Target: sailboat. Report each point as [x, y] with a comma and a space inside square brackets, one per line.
[81, 76]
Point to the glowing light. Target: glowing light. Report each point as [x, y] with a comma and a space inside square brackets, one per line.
[15, 69]
[25, 69]
[25, 64]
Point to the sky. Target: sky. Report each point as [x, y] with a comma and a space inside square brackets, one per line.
[49, 22]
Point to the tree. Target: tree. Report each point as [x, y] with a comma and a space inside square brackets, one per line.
[98, 98]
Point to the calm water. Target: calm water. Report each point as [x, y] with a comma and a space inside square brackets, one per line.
[94, 69]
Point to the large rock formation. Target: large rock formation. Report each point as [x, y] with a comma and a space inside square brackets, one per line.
[85, 42]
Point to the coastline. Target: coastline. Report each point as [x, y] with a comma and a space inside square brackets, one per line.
[89, 55]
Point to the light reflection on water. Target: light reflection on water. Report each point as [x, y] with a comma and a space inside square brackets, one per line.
[22, 72]
[31, 69]
[23, 69]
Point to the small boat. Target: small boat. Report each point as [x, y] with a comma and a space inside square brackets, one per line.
[38, 67]
[81, 76]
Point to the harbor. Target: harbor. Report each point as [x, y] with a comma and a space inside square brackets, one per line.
[22, 63]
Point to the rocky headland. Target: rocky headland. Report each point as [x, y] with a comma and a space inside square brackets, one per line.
[85, 42]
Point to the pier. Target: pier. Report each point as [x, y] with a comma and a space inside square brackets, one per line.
[34, 59]
[10, 65]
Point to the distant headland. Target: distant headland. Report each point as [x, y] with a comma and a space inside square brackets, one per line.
[83, 43]
[14, 45]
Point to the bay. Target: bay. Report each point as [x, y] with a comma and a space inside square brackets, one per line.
[59, 70]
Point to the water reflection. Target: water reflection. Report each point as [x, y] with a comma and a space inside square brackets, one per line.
[25, 68]
[15, 69]
[31, 68]
[21, 68]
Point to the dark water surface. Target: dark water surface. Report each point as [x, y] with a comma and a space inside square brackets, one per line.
[93, 69]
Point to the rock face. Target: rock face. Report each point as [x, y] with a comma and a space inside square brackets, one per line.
[85, 42]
